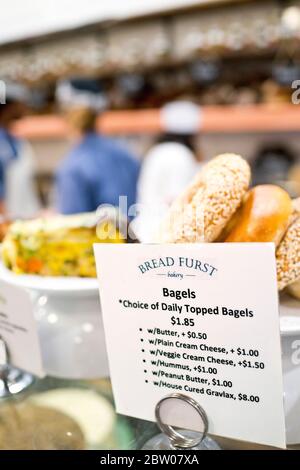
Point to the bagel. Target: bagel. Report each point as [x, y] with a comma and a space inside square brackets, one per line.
[203, 210]
[294, 289]
[263, 217]
[288, 256]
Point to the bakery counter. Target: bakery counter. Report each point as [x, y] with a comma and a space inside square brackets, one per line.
[53, 260]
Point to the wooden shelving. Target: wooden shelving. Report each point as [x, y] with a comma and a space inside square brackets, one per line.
[215, 119]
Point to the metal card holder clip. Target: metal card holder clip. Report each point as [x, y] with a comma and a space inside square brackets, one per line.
[12, 380]
[172, 439]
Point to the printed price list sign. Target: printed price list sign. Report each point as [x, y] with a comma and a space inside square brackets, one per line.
[201, 320]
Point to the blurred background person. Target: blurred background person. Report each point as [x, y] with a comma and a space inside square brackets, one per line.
[272, 165]
[168, 167]
[18, 195]
[97, 170]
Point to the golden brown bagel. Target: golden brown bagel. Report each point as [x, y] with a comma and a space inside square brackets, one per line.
[202, 211]
[263, 217]
[288, 256]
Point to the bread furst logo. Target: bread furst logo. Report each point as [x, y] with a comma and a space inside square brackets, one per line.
[183, 263]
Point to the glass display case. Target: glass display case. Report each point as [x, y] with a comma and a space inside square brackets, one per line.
[55, 414]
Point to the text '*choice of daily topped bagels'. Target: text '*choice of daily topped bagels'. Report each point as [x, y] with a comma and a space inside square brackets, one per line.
[203, 210]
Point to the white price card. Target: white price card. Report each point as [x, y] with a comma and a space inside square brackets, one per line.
[18, 328]
[201, 320]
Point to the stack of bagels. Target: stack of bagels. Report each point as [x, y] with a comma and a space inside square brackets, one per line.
[218, 206]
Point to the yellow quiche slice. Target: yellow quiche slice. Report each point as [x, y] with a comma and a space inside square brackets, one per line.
[58, 245]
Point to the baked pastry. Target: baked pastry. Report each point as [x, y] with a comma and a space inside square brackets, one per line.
[202, 211]
[217, 207]
[263, 217]
[58, 246]
[288, 256]
[28, 427]
[294, 290]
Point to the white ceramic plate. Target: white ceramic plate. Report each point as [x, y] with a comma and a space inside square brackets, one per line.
[289, 316]
[51, 285]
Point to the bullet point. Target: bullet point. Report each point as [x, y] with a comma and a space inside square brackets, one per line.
[144, 360]
[142, 339]
[143, 350]
[145, 371]
[146, 381]
[120, 301]
[141, 329]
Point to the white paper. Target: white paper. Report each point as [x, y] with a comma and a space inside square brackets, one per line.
[18, 328]
[150, 357]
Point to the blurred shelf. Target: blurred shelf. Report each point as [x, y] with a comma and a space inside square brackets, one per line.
[215, 119]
